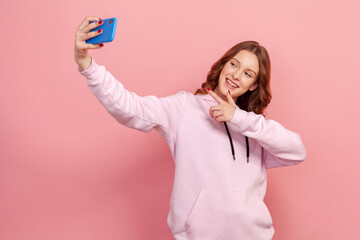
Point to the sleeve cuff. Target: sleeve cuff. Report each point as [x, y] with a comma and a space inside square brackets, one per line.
[87, 72]
[239, 118]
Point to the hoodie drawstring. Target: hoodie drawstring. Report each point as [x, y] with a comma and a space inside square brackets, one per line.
[247, 149]
[232, 146]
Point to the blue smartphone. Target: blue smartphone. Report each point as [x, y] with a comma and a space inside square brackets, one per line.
[108, 34]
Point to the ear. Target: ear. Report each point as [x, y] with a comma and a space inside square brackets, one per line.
[253, 87]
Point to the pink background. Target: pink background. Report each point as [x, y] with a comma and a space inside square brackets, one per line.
[68, 170]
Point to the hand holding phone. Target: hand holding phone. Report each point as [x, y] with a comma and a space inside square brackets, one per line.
[108, 31]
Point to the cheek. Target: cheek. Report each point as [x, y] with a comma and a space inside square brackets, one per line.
[222, 77]
[226, 70]
[252, 82]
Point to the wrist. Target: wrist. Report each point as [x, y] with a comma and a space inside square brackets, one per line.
[84, 63]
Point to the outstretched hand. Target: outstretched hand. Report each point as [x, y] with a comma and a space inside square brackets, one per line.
[223, 112]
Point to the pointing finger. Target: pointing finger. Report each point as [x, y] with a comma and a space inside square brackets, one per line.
[214, 95]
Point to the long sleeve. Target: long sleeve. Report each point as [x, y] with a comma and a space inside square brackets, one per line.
[131, 110]
[281, 147]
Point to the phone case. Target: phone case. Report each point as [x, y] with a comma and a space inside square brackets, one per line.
[108, 34]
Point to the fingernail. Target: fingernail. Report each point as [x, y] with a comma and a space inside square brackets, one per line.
[207, 88]
[229, 91]
[100, 22]
[101, 44]
[99, 30]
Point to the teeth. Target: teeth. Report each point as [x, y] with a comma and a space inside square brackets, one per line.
[231, 83]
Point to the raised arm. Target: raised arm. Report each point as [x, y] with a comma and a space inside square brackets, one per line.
[131, 110]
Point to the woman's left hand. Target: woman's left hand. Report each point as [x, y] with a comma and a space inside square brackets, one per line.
[223, 112]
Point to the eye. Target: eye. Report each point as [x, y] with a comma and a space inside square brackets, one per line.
[248, 74]
[233, 64]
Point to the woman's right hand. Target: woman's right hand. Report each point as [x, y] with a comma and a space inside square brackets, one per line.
[81, 55]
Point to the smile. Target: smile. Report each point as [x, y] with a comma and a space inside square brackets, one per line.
[232, 84]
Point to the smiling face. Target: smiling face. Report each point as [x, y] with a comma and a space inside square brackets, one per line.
[238, 75]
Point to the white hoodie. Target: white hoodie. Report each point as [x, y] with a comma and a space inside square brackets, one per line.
[214, 197]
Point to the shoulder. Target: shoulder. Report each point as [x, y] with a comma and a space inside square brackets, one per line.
[185, 96]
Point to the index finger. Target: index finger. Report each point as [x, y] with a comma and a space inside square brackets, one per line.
[87, 20]
[215, 96]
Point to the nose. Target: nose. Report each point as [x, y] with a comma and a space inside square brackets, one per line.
[236, 75]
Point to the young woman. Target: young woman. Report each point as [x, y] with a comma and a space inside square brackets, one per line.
[219, 139]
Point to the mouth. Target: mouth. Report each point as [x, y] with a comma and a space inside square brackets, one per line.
[231, 84]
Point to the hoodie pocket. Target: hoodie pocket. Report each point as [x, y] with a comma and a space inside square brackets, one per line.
[230, 215]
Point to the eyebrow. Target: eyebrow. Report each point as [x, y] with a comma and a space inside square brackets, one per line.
[248, 68]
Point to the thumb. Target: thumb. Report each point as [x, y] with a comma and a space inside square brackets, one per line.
[230, 99]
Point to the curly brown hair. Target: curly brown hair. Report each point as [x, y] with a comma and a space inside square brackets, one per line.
[256, 100]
